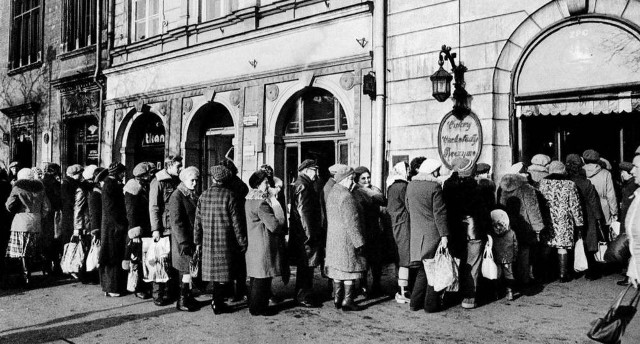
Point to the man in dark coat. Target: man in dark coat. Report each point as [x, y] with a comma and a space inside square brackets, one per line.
[221, 237]
[305, 231]
[113, 232]
[70, 187]
[51, 249]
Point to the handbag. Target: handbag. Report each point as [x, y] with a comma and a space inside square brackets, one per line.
[611, 327]
[72, 257]
[618, 250]
[489, 268]
[580, 258]
[602, 247]
[93, 255]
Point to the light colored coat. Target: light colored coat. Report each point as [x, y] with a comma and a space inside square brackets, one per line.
[602, 181]
[264, 236]
[29, 204]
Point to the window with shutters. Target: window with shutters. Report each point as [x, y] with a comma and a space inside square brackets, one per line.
[26, 33]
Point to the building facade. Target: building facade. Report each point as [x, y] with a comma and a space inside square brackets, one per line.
[276, 82]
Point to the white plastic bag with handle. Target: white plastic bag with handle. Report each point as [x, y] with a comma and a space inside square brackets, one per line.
[442, 270]
[489, 268]
[580, 258]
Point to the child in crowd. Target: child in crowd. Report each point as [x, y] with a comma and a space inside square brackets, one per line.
[505, 248]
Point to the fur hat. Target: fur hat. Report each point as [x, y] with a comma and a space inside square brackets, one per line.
[574, 159]
[591, 156]
[540, 160]
[88, 172]
[220, 173]
[25, 173]
[342, 172]
[74, 170]
[429, 166]
[626, 166]
[256, 178]
[189, 173]
[557, 167]
[52, 168]
[115, 168]
[308, 163]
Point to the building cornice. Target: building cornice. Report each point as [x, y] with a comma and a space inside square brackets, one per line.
[30, 108]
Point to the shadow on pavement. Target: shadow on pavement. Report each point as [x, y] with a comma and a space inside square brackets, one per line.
[63, 332]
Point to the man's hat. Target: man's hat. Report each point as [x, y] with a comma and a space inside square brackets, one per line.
[308, 163]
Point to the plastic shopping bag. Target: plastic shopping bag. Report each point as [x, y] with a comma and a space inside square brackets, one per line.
[156, 259]
[73, 257]
[441, 270]
[489, 268]
[93, 255]
[132, 278]
[580, 258]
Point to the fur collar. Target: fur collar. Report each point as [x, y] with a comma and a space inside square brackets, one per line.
[257, 194]
[425, 177]
[187, 192]
[592, 169]
[163, 175]
[29, 185]
[133, 187]
[510, 182]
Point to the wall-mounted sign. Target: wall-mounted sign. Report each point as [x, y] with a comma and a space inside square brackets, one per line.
[460, 138]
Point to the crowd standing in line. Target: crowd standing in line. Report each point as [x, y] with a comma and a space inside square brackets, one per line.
[530, 220]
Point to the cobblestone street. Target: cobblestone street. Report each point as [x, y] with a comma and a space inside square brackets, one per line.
[68, 312]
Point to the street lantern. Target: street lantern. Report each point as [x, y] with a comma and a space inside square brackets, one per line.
[441, 81]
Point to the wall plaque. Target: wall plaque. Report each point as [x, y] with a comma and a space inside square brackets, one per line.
[460, 138]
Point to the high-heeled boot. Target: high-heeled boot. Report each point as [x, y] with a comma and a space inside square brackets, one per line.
[338, 293]
[348, 303]
[184, 301]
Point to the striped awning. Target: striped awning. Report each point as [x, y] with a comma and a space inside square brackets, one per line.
[619, 103]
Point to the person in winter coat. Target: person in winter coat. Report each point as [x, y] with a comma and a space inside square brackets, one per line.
[52, 247]
[182, 213]
[429, 229]
[95, 200]
[264, 233]
[136, 201]
[469, 222]
[603, 182]
[161, 187]
[370, 200]
[539, 168]
[505, 248]
[29, 204]
[591, 210]
[5, 224]
[566, 213]
[82, 218]
[220, 235]
[627, 191]
[113, 232]
[70, 189]
[305, 231]
[345, 262]
[240, 191]
[486, 186]
[520, 201]
[14, 167]
[397, 209]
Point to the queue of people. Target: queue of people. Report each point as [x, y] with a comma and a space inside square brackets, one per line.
[530, 221]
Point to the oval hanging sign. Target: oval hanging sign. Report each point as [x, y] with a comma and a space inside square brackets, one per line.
[460, 138]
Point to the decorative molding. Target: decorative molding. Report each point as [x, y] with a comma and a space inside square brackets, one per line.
[234, 98]
[577, 7]
[307, 77]
[119, 115]
[347, 80]
[272, 92]
[27, 109]
[187, 105]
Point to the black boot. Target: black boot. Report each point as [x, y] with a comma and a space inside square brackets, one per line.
[348, 303]
[338, 293]
[25, 271]
[563, 265]
[160, 294]
[217, 304]
[184, 303]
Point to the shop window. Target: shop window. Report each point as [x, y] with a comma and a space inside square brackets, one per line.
[79, 22]
[315, 111]
[146, 15]
[83, 142]
[213, 9]
[26, 45]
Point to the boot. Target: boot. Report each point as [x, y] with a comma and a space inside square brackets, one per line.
[510, 290]
[25, 271]
[217, 304]
[563, 265]
[184, 304]
[160, 294]
[349, 294]
[338, 293]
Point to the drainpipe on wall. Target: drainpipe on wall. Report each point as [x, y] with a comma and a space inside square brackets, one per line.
[96, 75]
[379, 67]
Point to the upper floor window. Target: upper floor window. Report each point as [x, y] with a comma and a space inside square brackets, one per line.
[146, 18]
[26, 45]
[79, 23]
[213, 9]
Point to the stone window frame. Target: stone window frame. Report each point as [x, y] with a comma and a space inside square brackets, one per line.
[133, 6]
[224, 8]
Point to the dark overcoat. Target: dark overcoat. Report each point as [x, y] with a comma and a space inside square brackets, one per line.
[52, 190]
[95, 207]
[521, 203]
[65, 227]
[264, 234]
[428, 216]
[591, 210]
[369, 201]
[397, 209]
[113, 232]
[182, 213]
[219, 230]
[136, 200]
[626, 197]
[305, 224]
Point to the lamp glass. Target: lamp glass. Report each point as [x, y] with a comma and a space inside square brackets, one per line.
[441, 84]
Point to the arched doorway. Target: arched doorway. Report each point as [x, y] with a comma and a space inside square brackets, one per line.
[311, 125]
[585, 96]
[146, 141]
[209, 139]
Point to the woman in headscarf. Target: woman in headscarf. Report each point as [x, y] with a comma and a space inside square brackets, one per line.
[399, 214]
[182, 214]
[29, 204]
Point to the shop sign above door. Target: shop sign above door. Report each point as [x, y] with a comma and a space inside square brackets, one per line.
[460, 138]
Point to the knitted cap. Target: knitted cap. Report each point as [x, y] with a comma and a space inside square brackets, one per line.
[500, 216]
[342, 172]
[52, 168]
[115, 168]
[220, 173]
[557, 167]
[574, 159]
[74, 170]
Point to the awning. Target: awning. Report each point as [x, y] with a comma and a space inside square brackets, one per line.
[622, 102]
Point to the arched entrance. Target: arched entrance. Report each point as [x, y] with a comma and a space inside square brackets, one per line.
[209, 139]
[585, 96]
[146, 141]
[311, 125]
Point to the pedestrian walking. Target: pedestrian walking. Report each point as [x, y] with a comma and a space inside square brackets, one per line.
[29, 204]
[113, 233]
[264, 233]
[505, 249]
[429, 229]
[220, 235]
[566, 214]
[182, 212]
[396, 206]
[305, 231]
[161, 187]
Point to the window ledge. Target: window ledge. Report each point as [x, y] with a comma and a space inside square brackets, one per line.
[77, 52]
[23, 69]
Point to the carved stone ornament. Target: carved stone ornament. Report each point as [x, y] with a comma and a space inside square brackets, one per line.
[347, 80]
[119, 115]
[139, 104]
[67, 104]
[234, 98]
[272, 92]
[95, 99]
[187, 105]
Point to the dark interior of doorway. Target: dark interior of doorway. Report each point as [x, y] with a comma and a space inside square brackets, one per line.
[615, 136]
[324, 152]
[148, 135]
